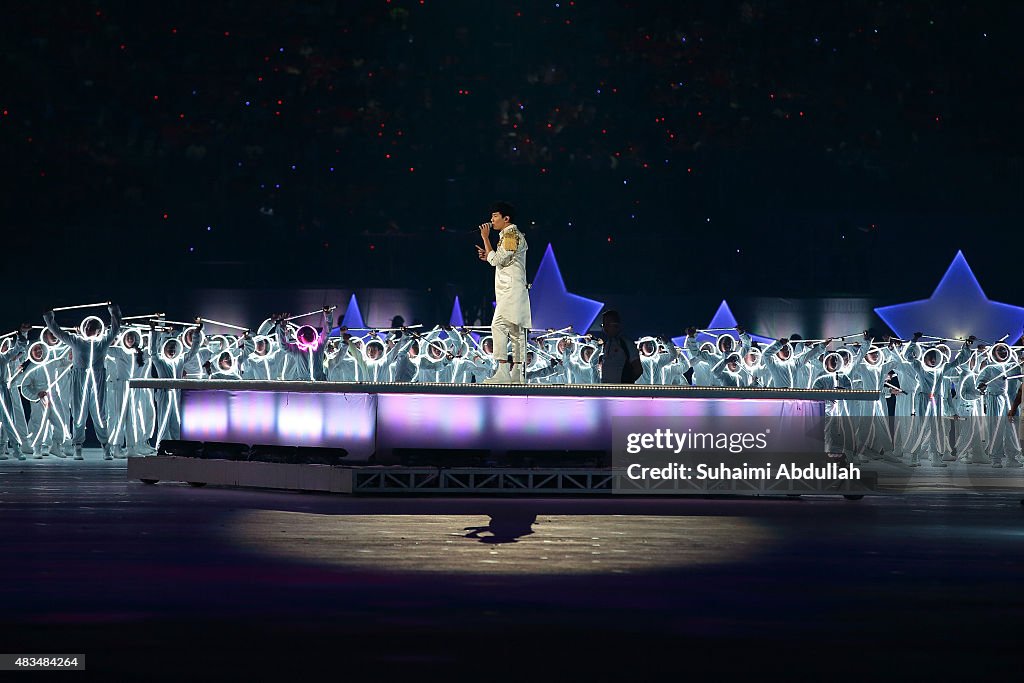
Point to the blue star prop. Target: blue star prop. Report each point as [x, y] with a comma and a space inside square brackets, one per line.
[957, 308]
[456, 319]
[353, 317]
[723, 318]
[553, 307]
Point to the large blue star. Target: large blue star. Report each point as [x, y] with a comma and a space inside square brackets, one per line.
[957, 308]
[353, 319]
[723, 318]
[456, 320]
[552, 307]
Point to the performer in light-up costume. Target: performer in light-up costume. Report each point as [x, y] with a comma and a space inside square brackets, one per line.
[306, 354]
[47, 431]
[11, 352]
[88, 374]
[169, 360]
[130, 411]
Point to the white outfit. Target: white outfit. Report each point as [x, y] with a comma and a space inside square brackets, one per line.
[512, 315]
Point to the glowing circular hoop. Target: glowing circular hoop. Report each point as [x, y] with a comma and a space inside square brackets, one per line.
[999, 353]
[125, 333]
[375, 343]
[832, 362]
[929, 357]
[877, 353]
[647, 347]
[178, 343]
[306, 338]
[230, 356]
[483, 346]
[46, 352]
[45, 335]
[85, 323]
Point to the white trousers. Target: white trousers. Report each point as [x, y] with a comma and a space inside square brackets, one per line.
[503, 331]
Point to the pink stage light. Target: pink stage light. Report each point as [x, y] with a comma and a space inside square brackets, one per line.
[363, 423]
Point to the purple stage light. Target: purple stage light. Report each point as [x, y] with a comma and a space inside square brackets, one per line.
[452, 420]
[300, 419]
[542, 422]
[256, 415]
[281, 419]
[364, 423]
[209, 418]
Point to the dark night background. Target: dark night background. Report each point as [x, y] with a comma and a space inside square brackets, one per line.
[826, 155]
[721, 148]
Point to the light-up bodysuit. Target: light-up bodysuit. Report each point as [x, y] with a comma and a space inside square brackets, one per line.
[88, 374]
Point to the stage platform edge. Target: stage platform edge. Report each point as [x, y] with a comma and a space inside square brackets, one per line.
[263, 475]
[477, 481]
[527, 390]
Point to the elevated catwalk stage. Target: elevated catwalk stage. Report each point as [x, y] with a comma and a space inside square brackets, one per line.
[384, 420]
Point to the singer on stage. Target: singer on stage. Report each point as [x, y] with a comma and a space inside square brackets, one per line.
[512, 314]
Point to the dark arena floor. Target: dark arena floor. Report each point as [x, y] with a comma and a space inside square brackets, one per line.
[170, 582]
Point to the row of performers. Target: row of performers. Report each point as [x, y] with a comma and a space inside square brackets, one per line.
[69, 375]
